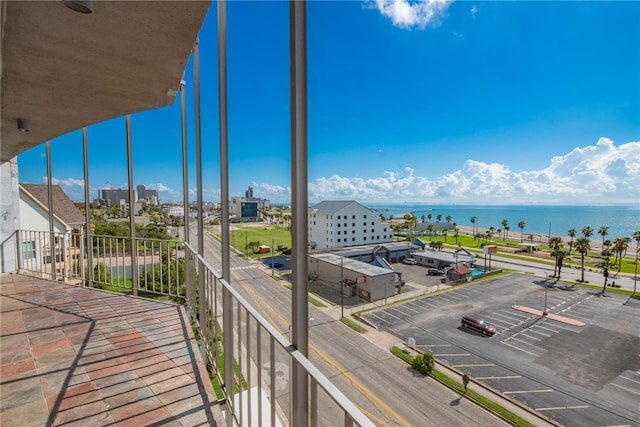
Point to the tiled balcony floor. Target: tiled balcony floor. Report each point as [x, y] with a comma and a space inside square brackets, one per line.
[76, 356]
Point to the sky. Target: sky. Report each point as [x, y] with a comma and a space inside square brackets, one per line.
[466, 102]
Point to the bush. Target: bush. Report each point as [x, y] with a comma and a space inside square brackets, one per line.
[423, 363]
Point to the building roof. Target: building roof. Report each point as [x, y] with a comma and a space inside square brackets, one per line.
[63, 207]
[332, 206]
[63, 70]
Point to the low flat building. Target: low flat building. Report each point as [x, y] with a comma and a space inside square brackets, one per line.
[353, 277]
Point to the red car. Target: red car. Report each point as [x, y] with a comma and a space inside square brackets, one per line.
[478, 324]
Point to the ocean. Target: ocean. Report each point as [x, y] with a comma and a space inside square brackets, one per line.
[621, 220]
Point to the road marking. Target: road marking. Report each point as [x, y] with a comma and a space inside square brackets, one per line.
[350, 378]
[529, 391]
[627, 389]
[629, 379]
[559, 408]
[506, 377]
[472, 366]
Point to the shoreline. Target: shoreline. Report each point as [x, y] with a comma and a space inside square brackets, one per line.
[596, 245]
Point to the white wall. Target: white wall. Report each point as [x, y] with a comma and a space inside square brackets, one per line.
[9, 215]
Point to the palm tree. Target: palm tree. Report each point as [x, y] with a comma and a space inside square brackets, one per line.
[439, 217]
[456, 232]
[620, 246]
[572, 234]
[505, 224]
[583, 245]
[423, 217]
[448, 218]
[473, 224]
[555, 244]
[521, 225]
[587, 231]
[603, 231]
[430, 216]
[430, 230]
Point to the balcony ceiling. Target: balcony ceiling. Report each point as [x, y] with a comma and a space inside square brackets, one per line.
[63, 70]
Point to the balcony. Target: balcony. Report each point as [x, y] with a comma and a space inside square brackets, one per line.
[75, 354]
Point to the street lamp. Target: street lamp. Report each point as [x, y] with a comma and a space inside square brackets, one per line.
[272, 261]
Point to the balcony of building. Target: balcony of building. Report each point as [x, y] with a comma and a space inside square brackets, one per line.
[85, 340]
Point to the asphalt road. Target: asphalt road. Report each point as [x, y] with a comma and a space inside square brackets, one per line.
[383, 387]
[578, 376]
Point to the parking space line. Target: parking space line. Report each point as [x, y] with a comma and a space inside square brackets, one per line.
[627, 389]
[477, 365]
[544, 390]
[520, 349]
[560, 408]
[630, 379]
[506, 377]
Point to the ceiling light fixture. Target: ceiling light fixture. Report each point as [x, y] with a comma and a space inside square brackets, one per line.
[82, 6]
[24, 125]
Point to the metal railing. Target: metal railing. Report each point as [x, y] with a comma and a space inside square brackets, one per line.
[259, 391]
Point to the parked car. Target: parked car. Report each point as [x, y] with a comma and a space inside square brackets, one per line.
[478, 324]
[410, 261]
[275, 264]
[435, 272]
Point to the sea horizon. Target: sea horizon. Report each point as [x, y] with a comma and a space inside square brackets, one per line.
[621, 220]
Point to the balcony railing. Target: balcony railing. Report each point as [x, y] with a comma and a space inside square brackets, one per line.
[259, 389]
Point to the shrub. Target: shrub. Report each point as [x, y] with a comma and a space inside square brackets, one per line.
[423, 363]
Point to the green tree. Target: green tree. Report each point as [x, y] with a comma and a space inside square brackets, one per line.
[505, 224]
[473, 224]
[423, 363]
[603, 231]
[572, 233]
[555, 244]
[583, 245]
[587, 231]
[521, 225]
[448, 218]
[620, 246]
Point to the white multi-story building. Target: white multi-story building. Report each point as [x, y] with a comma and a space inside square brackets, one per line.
[337, 224]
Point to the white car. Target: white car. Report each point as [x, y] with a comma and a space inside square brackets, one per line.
[410, 261]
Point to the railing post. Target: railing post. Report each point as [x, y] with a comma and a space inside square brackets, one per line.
[87, 213]
[132, 224]
[299, 205]
[51, 219]
[227, 300]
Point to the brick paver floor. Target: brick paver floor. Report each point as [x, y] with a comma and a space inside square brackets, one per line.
[76, 356]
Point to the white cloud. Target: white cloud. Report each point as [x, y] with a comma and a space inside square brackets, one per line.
[408, 14]
[602, 173]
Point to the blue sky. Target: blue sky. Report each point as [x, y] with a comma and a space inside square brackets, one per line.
[436, 102]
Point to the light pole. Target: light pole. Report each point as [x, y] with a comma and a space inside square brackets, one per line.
[272, 240]
[246, 245]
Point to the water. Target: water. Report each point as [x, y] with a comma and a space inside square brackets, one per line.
[621, 220]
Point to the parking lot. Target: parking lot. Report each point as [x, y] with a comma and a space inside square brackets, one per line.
[577, 375]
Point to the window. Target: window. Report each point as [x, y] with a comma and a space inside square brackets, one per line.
[338, 240]
[338, 231]
[338, 224]
[353, 217]
[365, 237]
[373, 223]
[353, 224]
[338, 216]
[29, 250]
[365, 216]
[353, 239]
